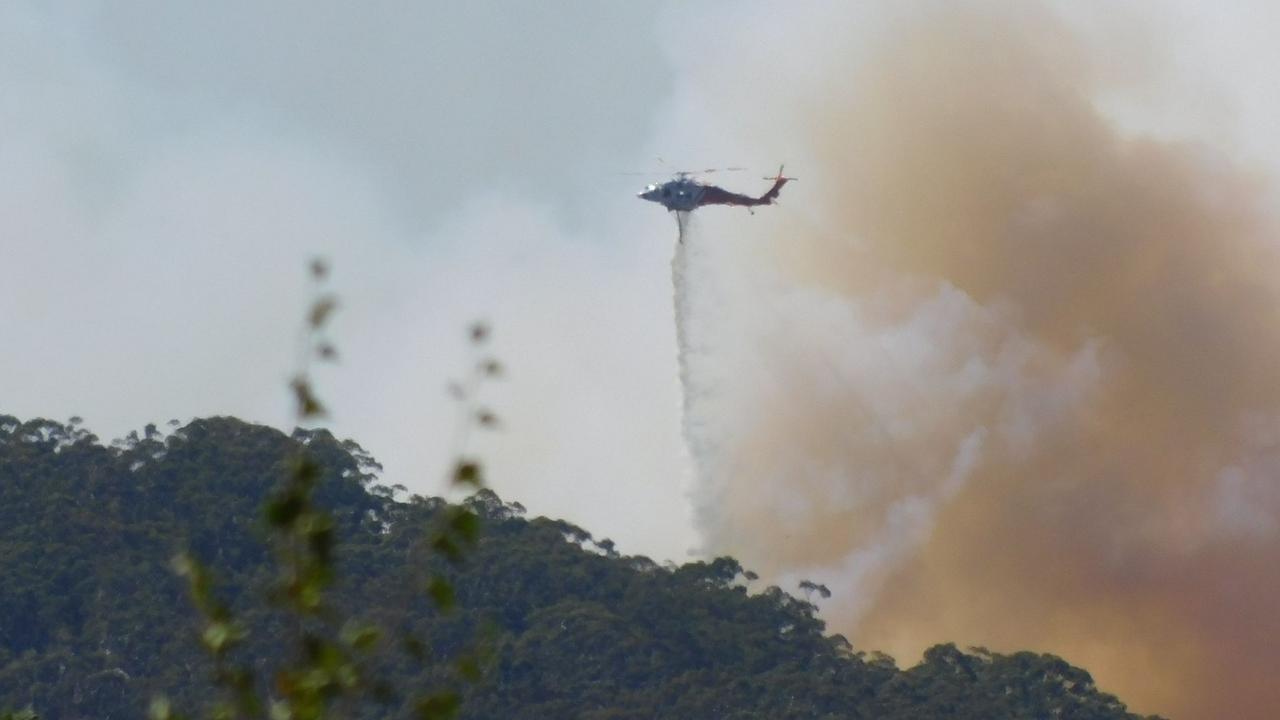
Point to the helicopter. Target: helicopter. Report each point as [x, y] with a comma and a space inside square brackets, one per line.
[686, 193]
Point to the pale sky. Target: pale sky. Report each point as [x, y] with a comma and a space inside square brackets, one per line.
[166, 170]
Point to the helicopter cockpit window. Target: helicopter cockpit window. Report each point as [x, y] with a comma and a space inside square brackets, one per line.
[651, 188]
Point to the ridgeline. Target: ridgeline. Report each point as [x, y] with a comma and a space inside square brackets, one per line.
[94, 623]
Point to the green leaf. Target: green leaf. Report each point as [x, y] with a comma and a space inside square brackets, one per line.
[445, 545]
[185, 565]
[491, 368]
[361, 637]
[442, 593]
[467, 472]
[347, 675]
[441, 706]
[321, 310]
[159, 709]
[284, 510]
[469, 668]
[311, 594]
[308, 405]
[318, 529]
[316, 679]
[306, 470]
[466, 524]
[414, 648]
[319, 268]
[220, 636]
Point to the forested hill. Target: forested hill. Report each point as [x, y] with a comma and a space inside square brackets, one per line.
[94, 623]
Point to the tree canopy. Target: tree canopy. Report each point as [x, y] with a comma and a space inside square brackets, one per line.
[555, 623]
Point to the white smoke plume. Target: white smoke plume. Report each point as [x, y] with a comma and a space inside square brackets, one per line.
[1000, 370]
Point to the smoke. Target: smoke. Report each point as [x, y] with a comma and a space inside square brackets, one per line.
[1003, 373]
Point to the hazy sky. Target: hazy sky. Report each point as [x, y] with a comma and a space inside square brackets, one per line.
[167, 168]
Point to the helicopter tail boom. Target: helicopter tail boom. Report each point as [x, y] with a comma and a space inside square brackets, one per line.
[778, 182]
[719, 196]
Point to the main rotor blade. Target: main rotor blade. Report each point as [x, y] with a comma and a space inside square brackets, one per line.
[683, 173]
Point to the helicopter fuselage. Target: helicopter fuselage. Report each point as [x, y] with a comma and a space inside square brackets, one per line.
[679, 195]
[684, 194]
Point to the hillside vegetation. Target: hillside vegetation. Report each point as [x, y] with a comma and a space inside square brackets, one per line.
[94, 622]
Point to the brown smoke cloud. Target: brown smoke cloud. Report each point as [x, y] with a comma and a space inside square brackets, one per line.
[1013, 382]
